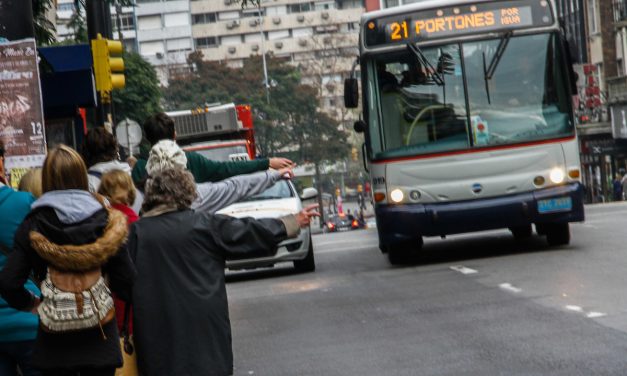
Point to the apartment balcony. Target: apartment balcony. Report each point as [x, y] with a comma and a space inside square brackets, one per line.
[316, 20]
[617, 89]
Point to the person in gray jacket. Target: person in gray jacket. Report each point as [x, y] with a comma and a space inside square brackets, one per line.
[211, 197]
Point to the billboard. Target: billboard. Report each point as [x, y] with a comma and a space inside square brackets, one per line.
[21, 111]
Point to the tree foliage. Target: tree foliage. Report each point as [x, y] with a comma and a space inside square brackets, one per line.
[141, 97]
[289, 124]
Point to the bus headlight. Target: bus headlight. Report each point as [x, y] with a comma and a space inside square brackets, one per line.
[557, 175]
[397, 195]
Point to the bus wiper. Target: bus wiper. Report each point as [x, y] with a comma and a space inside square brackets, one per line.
[422, 59]
[500, 50]
[488, 71]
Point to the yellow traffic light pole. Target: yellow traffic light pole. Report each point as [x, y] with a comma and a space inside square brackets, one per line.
[108, 68]
[108, 74]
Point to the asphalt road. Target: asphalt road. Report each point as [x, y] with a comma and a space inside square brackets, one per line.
[479, 304]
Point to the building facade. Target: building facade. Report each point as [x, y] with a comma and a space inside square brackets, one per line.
[318, 36]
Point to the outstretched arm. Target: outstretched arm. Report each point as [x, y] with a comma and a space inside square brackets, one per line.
[238, 238]
[215, 196]
[206, 170]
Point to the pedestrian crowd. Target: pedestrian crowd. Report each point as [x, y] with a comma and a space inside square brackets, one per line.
[102, 260]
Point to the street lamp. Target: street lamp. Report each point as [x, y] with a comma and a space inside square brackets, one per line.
[263, 55]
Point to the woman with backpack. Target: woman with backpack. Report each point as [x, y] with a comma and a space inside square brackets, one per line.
[68, 242]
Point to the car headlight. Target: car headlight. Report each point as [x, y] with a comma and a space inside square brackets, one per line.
[556, 175]
[397, 195]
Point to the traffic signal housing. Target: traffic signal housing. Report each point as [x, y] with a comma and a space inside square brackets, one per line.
[108, 66]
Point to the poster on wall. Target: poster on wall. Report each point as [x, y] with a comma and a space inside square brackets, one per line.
[21, 110]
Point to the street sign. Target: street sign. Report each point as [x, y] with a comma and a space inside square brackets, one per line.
[129, 134]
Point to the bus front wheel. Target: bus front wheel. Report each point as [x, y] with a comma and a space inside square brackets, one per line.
[403, 253]
[557, 233]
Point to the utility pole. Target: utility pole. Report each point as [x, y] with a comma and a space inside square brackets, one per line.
[266, 84]
[99, 22]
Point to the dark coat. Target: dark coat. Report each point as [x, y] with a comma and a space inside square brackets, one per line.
[181, 316]
[82, 348]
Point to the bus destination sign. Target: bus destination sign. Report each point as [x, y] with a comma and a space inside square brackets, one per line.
[459, 20]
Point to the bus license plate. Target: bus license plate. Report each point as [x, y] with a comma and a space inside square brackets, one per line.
[555, 205]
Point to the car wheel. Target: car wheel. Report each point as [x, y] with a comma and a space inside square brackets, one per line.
[404, 253]
[521, 232]
[557, 234]
[308, 264]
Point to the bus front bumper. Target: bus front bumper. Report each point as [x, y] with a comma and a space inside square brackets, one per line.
[398, 224]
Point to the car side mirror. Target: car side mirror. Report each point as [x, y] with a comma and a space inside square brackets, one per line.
[359, 126]
[351, 93]
[309, 193]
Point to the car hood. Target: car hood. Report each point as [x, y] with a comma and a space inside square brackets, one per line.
[263, 209]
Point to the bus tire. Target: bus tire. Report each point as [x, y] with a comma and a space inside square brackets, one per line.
[403, 253]
[521, 232]
[557, 234]
[308, 264]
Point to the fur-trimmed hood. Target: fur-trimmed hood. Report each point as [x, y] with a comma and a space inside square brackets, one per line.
[88, 256]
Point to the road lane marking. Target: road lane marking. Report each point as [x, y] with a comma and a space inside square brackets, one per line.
[574, 308]
[509, 287]
[590, 315]
[462, 269]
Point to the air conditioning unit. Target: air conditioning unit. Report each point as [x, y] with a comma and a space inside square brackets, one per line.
[235, 23]
[278, 45]
[255, 47]
[253, 22]
[229, 25]
[232, 50]
[327, 40]
[324, 15]
[302, 42]
[276, 20]
[228, 2]
[300, 18]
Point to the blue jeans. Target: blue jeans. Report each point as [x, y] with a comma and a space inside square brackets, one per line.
[14, 356]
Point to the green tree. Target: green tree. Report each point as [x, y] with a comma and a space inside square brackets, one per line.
[141, 97]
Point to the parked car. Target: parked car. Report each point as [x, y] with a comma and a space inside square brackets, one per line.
[279, 200]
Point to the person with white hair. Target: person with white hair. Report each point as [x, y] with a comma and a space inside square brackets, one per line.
[211, 197]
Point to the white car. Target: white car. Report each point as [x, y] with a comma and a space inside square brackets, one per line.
[279, 200]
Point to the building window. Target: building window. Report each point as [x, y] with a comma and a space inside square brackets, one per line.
[207, 42]
[252, 13]
[204, 18]
[127, 22]
[391, 3]
[592, 16]
[299, 8]
[65, 7]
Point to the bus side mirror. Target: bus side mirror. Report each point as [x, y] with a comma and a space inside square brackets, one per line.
[351, 93]
[359, 126]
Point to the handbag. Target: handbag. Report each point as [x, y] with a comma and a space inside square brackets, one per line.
[129, 356]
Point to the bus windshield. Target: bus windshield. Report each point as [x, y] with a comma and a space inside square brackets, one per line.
[474, 94]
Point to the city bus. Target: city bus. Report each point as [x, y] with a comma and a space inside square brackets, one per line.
[468, 121]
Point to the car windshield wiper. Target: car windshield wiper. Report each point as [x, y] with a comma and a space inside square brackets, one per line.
[437, 77]
[488, 71]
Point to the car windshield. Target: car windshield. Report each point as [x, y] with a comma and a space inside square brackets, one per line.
[279, 190]
[447, 97]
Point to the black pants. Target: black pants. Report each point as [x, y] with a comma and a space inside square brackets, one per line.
[83, 372]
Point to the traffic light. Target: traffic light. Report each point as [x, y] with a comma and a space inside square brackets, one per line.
[354, 154]
[108, 68]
